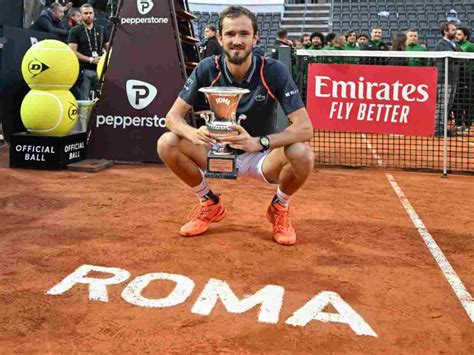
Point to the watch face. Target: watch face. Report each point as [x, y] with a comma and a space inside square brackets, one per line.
[265, 141]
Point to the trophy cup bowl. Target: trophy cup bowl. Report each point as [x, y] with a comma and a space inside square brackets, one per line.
[223, 103]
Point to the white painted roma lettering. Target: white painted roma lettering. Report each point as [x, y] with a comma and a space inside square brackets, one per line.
[269, 298]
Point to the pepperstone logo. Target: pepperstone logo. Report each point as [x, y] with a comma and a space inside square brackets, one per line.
[35, 67]
[144, 6]
[140, 94]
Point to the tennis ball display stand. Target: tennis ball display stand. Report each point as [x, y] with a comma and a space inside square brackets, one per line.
[46, 153]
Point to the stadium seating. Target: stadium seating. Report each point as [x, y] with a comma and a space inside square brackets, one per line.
[424, 15]
[268, 24]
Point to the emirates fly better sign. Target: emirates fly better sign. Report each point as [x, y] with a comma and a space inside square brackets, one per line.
[372, 98]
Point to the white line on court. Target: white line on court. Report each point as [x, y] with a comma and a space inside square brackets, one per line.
[453, 279]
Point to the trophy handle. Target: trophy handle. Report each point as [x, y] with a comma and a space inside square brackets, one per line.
[206, 115]
[241, 118]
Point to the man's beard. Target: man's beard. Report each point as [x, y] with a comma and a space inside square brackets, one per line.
[237, 59]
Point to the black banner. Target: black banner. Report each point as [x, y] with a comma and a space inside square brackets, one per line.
[142, 82]
[12, 86]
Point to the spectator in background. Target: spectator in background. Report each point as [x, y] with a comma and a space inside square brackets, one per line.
[447, 43]
[399, 44]
[362, 40]
[413, 46]
[462, 37]
[73, 18]
[317, 40]
[88, 41]
[463, 103]
[375, 43]
[329, 41]
[306, 41]
[210, 46]
[351, 41]
[283, 41]
[50, 21]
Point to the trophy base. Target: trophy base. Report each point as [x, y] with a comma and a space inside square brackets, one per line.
[221, 166]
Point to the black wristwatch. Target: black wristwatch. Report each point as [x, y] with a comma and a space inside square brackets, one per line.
[265, 143]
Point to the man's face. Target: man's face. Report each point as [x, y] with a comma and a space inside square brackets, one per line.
[87, 15]
[306, 41]
[58, 13]
[376, 34]
[316, 41]
[352, 38]
[412, 37]
[76, 17]
[362, 40]
[451, 32]
[208, 33]
[237, 38]
[340, 41]
[460, 36]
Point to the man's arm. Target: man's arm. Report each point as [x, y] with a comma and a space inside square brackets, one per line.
[82, 57]
[176, 123]
[300, 130]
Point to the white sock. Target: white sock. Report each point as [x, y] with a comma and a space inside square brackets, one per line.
[202, 190]
[283, 199]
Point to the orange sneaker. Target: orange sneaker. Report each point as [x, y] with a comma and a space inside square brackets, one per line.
[202, 216]
[283, 230]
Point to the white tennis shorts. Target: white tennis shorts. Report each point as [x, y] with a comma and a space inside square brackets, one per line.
[250, 164]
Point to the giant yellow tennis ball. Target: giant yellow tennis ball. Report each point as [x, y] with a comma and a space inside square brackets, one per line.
[50, 65]
[100, 65]
[49, 113]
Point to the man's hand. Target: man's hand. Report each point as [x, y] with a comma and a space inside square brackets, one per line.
[95, 60]
[243, 141]
[201, 136]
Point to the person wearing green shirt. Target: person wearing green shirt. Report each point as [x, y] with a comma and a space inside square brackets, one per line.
[414, 46]
[462, 36]
[338, 45]
[464, 110]
[351, 41]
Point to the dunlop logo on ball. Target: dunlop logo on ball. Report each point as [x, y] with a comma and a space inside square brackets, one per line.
[35, 67]
[72, 112]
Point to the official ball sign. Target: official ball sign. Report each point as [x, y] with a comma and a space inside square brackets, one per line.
[372, 98]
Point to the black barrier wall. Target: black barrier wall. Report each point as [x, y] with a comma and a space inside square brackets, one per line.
[12, 86]
[11, 13]
[141, 84]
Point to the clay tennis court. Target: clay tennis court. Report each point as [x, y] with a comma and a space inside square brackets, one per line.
[355, 239]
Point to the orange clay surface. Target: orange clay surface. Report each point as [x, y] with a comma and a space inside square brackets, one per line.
[354, 238]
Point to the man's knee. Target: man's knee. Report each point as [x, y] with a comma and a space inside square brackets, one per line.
[166, 143]
[300, 154]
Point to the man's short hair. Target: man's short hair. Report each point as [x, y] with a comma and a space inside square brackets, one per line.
[282, 33]
[444, 27]
[348, 33]
[303, 36]
[365, 35]
[211, 28]
[237, 11]
[465, 31]
[84, 6]
[55, 6]
[411, 30]
[377, 28]
[330, 37]
[73, 11]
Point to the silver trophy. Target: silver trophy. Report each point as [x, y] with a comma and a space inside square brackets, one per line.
[223, 102]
